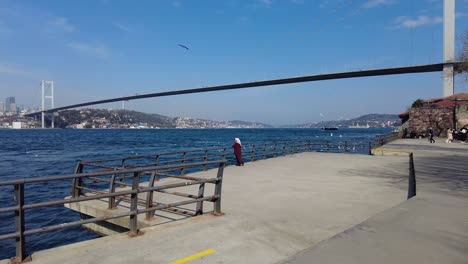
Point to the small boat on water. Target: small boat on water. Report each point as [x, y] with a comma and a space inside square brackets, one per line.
[329, 128]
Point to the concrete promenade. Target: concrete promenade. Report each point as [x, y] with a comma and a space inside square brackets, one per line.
[292, 210]
[430, 228]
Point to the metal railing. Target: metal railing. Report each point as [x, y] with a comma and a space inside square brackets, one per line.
[250, 153]
[130, 192]
[385, 139]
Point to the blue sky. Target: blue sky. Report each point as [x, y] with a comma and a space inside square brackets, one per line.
[97, 49]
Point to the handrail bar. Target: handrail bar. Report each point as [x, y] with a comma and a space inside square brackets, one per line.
[107, 195]
[155, 155]
[108, 172]
[97, 219]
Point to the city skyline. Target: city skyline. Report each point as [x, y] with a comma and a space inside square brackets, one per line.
[114, 54]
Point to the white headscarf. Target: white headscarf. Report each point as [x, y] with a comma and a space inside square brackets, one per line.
[237, 140]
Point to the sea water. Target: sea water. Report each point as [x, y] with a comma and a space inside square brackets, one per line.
[38, 153]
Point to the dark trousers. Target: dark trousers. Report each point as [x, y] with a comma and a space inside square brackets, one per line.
[239, 160]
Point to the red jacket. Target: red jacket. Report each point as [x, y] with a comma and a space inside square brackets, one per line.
[237, 149]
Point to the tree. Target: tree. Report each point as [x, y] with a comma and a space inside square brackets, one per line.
[418, 103]
[462, 57]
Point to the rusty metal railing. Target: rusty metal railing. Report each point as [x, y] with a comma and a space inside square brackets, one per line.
[131, 192]
[250, 153]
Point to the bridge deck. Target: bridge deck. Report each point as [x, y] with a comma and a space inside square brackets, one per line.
[274, 209]
[301, 79]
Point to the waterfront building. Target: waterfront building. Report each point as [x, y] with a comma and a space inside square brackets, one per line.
[17, 125]
[10, 104]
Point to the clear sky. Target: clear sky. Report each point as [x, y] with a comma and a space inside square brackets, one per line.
[97, 49]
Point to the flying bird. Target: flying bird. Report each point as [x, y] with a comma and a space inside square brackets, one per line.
[183, 46]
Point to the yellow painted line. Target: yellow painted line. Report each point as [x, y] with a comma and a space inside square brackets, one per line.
[392, 150]
[194, 256]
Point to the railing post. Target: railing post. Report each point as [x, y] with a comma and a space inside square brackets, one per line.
[182, 170]
[224, 153]
[205, 159]
[122, 176]
[328, 146]
[149, 195]
[253, 153]
[134, 205]
[19, 222]
[292, 149]
[218, 186]
[201, 194]
[264, 151]
[346, 146]
[112, 190]
[77, 181]
[370, 148]
[156, 161]
[412, 178]
[274, 151]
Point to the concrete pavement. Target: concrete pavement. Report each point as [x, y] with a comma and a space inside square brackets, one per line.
[274, 209]
[314, 208]
[430, 228]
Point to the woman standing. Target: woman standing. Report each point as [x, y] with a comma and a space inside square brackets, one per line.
[238, 151]
[449, 136]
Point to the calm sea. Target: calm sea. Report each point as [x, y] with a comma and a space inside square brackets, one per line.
[34, 153]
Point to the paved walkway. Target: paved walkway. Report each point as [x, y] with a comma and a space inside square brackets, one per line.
[430, 228]
[280, 210]
[274, 209]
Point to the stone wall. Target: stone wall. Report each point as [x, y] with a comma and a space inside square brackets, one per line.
[462, 116]
[438, 117]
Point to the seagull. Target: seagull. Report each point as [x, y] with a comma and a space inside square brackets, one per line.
[183, 46]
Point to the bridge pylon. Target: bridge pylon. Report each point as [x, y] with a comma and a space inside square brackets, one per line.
[47, 85]
[449, 47]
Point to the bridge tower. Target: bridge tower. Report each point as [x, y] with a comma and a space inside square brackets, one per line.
[47, 85]
[449, 46]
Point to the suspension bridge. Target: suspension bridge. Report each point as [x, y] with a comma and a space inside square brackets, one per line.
[448, 66]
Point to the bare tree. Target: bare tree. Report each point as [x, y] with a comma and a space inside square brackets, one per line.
[462, 57]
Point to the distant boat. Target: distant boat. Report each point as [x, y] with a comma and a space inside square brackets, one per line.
[358, 126]
[329, 128]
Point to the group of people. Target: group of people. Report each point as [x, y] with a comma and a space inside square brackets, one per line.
[453, 134]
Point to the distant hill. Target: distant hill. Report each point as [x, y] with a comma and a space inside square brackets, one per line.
[185, 122]
[103, 118]
[245, 123]
[370, 120]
